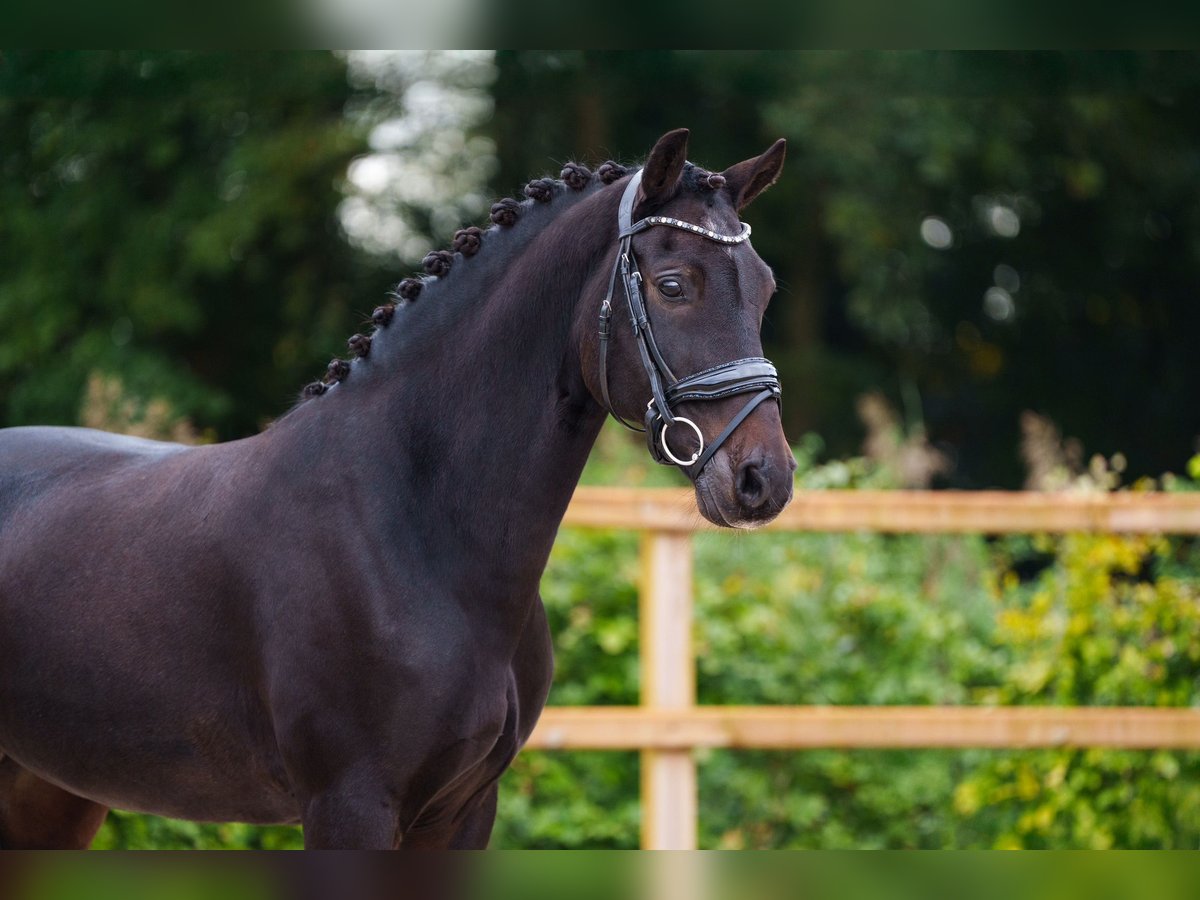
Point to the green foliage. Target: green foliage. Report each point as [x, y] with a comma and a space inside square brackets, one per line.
[170, 218]
[72, 876]
[1100, 626]
[839, 619]
[131, 831]
[1067, 262]
[553, 801]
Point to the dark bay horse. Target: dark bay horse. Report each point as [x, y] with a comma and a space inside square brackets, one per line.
[337, 622]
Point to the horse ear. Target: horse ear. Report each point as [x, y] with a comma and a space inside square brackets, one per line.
[751, 177]
[664, 166]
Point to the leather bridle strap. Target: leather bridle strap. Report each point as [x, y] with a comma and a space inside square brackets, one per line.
[625, 269]
[738, 377]
[754, 375]
[733, 423]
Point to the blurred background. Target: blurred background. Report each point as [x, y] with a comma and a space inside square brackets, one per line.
[989, 268]
[960, 238]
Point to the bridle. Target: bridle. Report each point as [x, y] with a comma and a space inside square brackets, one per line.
[741, 376]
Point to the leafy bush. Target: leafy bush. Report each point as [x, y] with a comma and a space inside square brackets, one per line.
[1099, 626]
[131, 831]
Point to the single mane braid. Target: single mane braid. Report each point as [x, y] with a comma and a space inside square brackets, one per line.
[408, 289]
[541, 190]
[611, 171]
[467, 241]
[438, 262]
[576, 176]
[504, 212]
[336, 370]
[360, 345]
[382, 316]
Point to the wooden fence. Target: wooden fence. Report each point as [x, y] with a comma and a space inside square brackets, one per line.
[667, 727]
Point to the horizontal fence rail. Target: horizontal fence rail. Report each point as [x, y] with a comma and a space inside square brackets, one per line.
[859, 727]
[668, 727]
[912, 512]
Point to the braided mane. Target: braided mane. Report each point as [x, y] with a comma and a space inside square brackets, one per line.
[467, 242]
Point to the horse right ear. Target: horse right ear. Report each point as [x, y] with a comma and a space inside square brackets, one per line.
[663, 168]
[751, 177]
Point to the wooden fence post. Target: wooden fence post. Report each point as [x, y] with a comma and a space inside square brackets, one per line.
[669, 814]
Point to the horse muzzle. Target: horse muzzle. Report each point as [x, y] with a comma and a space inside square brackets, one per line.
[746, 489]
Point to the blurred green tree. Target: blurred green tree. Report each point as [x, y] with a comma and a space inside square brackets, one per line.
[1016, 231]
[170, 217]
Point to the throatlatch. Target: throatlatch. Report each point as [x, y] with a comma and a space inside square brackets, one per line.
[741, 376]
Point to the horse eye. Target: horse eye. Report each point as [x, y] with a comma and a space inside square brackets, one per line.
[669, 287]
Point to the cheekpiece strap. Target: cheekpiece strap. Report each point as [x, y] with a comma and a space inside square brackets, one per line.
[625, 210]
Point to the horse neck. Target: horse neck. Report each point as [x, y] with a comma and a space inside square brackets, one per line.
[470, 419]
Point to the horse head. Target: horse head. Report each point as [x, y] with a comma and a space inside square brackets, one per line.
[679, 350]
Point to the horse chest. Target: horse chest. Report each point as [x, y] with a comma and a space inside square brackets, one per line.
[439, 711]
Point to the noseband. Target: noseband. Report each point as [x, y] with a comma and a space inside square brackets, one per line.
[754, 375]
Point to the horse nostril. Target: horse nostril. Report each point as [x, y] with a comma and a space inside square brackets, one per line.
[751, 485]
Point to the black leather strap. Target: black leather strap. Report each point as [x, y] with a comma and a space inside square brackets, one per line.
[619, 270]
[737, 420]
[738, 377]
[640, 322]
[605, 331]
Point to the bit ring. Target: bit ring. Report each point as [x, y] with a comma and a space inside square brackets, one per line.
[667, 448]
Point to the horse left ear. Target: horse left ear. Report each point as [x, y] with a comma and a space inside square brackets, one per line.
[663, 168]
[751, 177]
